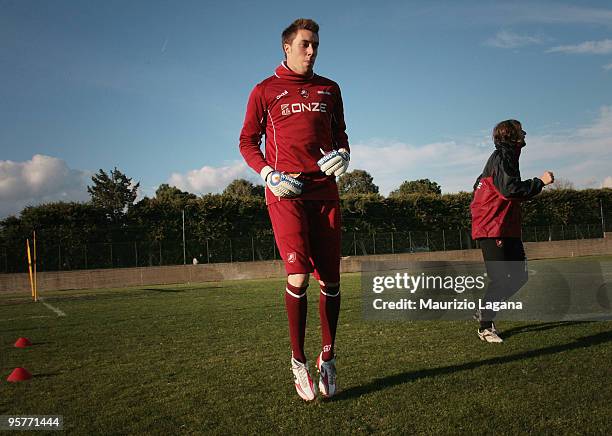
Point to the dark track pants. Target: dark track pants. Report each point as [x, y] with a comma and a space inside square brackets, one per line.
[506, 266]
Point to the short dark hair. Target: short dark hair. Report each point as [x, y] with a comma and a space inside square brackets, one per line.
[508, 131]
[301, 23]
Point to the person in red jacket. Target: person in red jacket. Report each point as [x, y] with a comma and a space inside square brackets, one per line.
[496, 220]
[306, 148]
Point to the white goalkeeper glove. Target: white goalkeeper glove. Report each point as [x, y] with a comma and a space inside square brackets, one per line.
[281, 184]
[335, 162]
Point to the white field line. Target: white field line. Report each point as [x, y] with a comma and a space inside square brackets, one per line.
[53, 308]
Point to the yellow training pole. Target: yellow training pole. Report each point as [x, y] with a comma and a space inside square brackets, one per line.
[35, 281]
[30, 267]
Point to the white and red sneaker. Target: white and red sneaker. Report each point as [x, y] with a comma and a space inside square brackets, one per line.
[490, 335]
[303, 382]
[327, 376]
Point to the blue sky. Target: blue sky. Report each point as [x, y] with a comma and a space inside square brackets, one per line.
[158, 89]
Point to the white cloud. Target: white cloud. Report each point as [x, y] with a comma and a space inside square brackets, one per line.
[600, 129]
[588, 47]
[507, 39]
[454, 166]
[39, 180]
[608, 67]
[581, 155]
[607, 183]
[211, 179]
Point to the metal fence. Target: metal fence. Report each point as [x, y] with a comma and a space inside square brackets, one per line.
[53, 256]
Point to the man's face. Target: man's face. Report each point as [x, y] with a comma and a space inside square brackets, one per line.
[522, 135]
[302, 52]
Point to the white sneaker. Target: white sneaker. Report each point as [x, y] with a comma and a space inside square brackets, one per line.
[490, 335]
[303, 382]
[327, 376]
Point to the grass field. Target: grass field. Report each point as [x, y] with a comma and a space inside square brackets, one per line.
[214, 358]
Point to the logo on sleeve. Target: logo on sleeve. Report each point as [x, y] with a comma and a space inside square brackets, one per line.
[282, 94]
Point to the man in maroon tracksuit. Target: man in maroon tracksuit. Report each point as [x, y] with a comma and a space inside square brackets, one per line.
[496, 219]
[301, 115]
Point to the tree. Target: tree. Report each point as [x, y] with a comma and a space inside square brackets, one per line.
[421, 186]
[171, 194]
[242, 188]
[357, 182]
[62, 230]
[113, 192]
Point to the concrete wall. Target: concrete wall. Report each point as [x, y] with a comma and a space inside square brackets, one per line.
[123, 277]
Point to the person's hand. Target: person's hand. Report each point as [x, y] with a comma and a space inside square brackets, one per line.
[335, 162]
[548, 177]
[281, 184]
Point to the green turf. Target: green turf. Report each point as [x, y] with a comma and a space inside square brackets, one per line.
[214, 358]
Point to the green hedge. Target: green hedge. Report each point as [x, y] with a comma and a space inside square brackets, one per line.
[220, 219]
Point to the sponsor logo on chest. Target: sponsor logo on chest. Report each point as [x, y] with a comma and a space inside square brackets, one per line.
[295, 108]
[282, 94]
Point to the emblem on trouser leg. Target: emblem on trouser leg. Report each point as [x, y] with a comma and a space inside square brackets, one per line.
[291, 257]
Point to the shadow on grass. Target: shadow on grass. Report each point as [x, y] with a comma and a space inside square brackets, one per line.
[539, 327]
[398, 379]
[45, 375]
[182, 289]
[20, 329]
[15, 301]
[38, 344]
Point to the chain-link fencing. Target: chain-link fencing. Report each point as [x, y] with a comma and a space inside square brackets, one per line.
[53, 255]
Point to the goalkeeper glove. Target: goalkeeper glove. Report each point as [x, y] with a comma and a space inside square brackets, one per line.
[335, 162]
[281, 184]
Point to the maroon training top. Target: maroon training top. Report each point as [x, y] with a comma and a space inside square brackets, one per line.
[300, 116]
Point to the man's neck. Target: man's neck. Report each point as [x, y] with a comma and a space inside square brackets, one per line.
[308, 73]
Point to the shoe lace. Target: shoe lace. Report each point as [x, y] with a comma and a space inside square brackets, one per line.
[302, 374]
